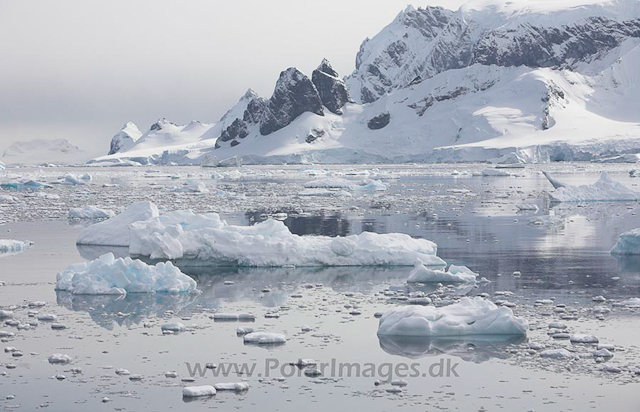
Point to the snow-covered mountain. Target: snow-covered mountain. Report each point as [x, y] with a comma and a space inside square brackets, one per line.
[533, 80]
[40, 151]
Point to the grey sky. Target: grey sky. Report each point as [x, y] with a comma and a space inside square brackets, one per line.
[79, 69]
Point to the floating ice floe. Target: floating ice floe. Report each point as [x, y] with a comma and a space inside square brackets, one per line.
[556, 354]
[339, 183]
[529, 207]
[58, 358]
[470, 316]
[89, 213]
[628, 243]
[454, 274]
[324, 192]
[232, 387]
[11, 246]
[189, 236]
[230, 317]
[493, 173]
[24, 184]
[115, 231]
[110, 276]
[629, 303]
[603, 190]
[198, 391]
[192, 187]
[264, 338]
[7, 199]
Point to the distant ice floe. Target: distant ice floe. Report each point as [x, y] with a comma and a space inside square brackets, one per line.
[628, 243]
[454, 274]
[115, 231]
[11, 246]
[470, 316]
[89, 213]
[24, 184]
[206, 237]
[340, 183]
[603, 190]
[110, 276]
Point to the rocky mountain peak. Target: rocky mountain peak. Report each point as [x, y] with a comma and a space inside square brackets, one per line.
[331, 89]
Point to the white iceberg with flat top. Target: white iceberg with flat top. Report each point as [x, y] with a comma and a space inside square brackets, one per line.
[454, 274]
[208, 238]
[470, 316]
[628, 243]
[603, 190]
[115, 231]
[110, 276]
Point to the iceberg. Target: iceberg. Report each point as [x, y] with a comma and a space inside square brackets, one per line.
[12, 246]
[115, 231]
[110, 276]
[603, 190]
[628, 243]
[207, 238]
[470, 316]
[455, 274]
[89, 213]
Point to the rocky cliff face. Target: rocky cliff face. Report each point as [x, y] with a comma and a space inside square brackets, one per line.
[125, 138]
[332, 90]
[294, 95]
[424, 42]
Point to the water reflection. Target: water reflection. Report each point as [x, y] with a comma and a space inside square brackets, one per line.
[108, 311]
[476, 349]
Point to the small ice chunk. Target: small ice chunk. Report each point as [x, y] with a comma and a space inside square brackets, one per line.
[455, 274]
[243, 331]
[198, 391]
[582, 338]
[556, 354]
[265, 338]
[173, 327]
[58, 358]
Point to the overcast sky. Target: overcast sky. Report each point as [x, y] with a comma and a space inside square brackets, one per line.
[80, 69]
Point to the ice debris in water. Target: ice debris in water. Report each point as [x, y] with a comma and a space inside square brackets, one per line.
[89, 213]
[110, 276]
[184, 234]
[470, 316]
[454, 274]
[115, 231]
[604, 189]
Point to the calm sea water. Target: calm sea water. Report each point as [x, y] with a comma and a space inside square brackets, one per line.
[561, 251]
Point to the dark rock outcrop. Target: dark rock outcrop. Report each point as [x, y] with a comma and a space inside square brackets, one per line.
[314, 135]
[379, 121]
[332, 90]
[294, 95]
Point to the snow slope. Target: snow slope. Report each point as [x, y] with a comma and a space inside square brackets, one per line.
[536, 80]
